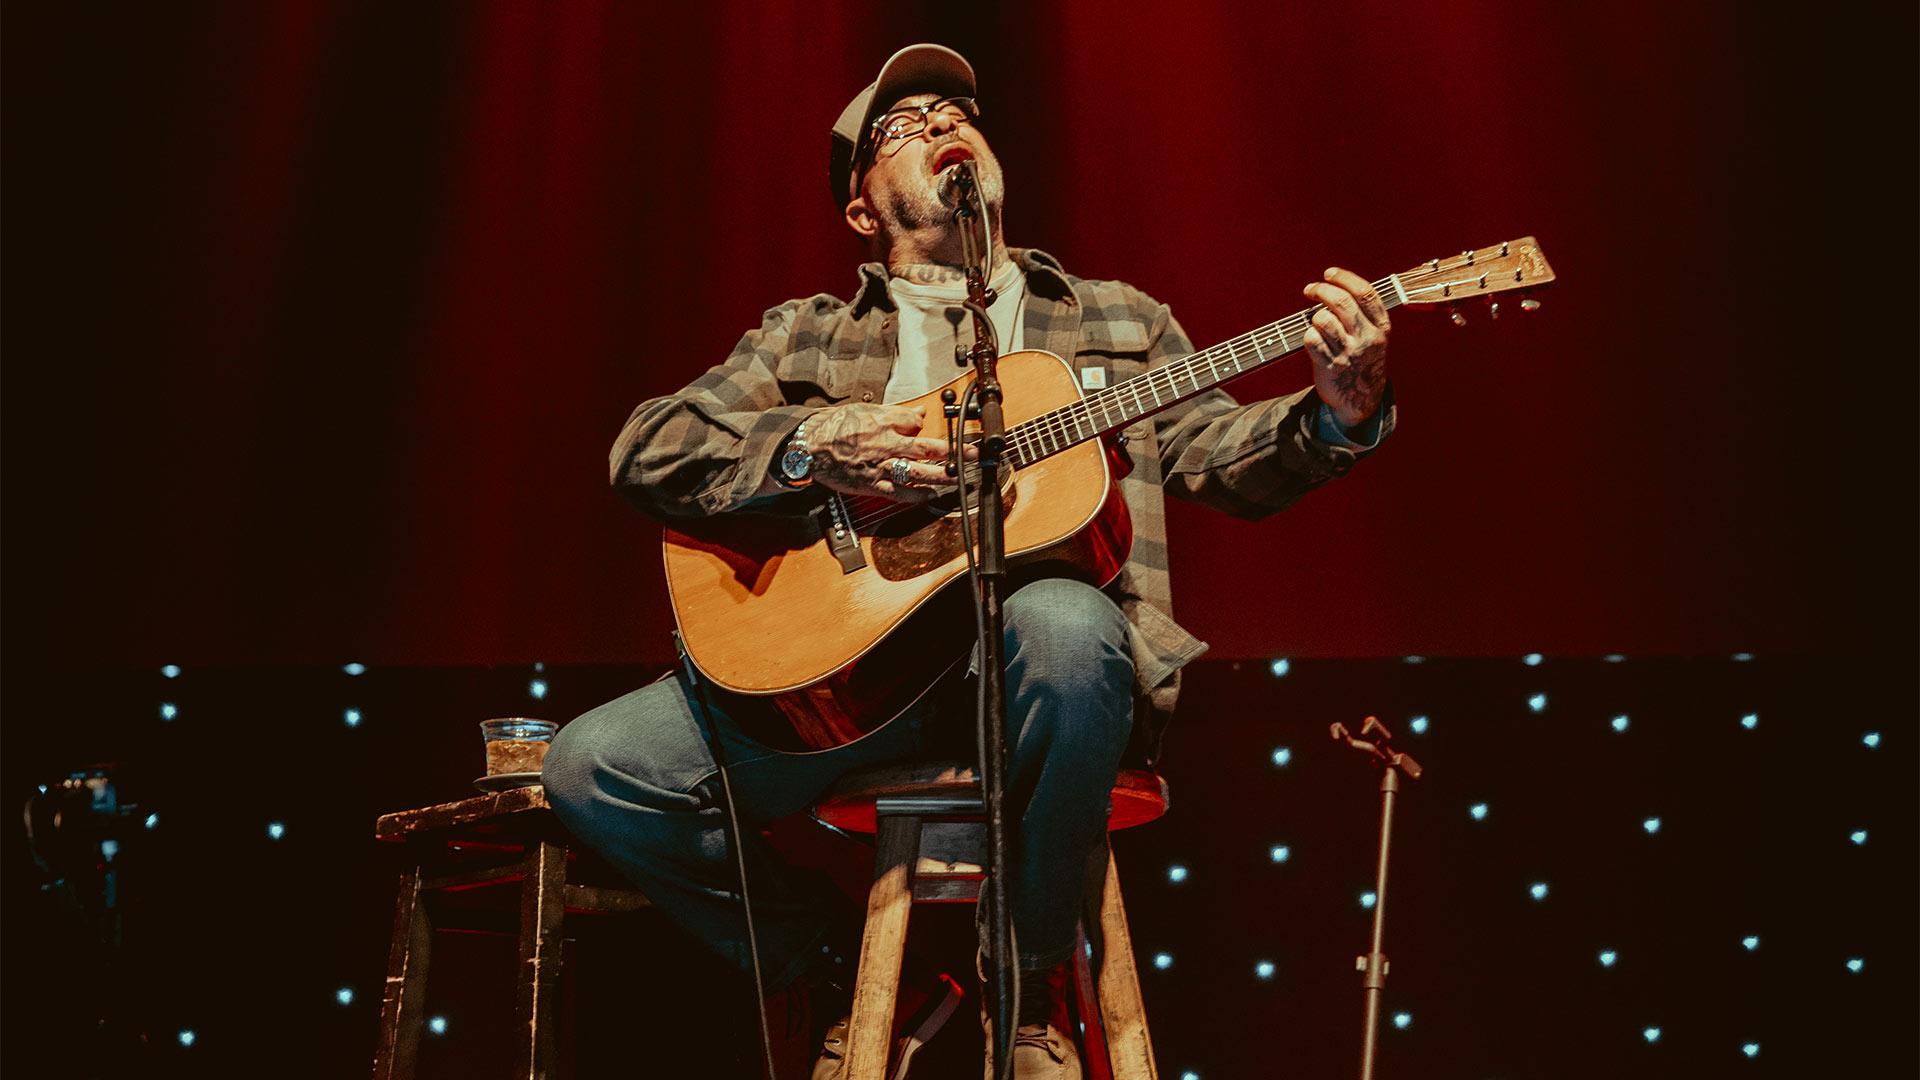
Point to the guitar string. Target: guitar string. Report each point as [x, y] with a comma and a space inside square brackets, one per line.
[1057, 430]
[1028, 442]
[1026, 437]
[1054, 424]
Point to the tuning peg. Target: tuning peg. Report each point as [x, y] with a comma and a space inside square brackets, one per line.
[1493, 307]
[1528, 303]
[1453, 312]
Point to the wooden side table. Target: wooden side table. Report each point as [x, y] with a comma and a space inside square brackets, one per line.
[472, 849]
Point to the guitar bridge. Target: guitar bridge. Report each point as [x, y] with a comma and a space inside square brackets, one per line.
[836, 524]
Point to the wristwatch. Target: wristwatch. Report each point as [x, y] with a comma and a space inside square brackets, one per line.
[796, 462]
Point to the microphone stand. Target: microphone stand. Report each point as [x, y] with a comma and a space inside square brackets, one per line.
[990, 577]
[1373, 966]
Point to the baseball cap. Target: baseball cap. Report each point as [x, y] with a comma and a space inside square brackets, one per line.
[916, 69]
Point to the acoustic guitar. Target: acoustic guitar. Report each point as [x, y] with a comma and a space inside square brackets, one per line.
[841, 618]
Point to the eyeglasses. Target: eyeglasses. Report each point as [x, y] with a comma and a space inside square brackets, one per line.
[912, 120]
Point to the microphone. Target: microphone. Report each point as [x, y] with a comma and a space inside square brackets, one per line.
[958, 182]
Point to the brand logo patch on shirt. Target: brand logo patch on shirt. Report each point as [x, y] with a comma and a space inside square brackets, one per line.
[1093, 378]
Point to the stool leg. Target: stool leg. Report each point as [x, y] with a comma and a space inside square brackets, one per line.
[1086, 1008]
[543, 905]
[1122, 1013]
[882, 947]
[404, 996]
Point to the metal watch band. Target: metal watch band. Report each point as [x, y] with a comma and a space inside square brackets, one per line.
[796, 462]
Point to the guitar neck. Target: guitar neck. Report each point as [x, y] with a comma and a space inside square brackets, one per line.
[1164, 387]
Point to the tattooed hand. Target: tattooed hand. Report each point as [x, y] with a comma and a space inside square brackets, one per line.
[855, 446]
[1348, 344]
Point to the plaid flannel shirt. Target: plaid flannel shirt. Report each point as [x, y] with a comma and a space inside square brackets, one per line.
[707, 449]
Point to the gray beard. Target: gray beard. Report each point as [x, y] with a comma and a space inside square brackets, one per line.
[919, 207]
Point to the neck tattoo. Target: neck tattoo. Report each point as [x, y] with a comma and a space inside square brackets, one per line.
[929, 273]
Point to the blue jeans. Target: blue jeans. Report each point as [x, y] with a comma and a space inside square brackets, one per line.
[636, 780]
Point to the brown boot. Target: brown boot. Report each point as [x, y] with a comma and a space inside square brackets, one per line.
[1041, 1050]
[923, 1008]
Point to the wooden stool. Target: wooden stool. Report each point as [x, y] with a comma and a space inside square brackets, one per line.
[930, 841]
[463, 847]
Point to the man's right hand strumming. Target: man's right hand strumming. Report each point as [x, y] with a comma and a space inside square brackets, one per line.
[870, 449]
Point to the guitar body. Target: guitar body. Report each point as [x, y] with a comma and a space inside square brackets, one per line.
[767, 608]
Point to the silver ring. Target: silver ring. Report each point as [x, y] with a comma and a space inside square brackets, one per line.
[902, 473]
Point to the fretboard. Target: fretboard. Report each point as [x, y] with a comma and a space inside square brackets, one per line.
[1164, 387]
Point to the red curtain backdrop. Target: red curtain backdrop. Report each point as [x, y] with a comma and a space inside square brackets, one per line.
[320, 317]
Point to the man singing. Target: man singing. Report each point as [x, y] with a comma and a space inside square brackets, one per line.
[804, 401]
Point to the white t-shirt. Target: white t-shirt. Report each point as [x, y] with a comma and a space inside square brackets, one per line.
[932, 322]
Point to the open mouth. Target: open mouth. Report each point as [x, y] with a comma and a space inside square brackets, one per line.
[951, 154]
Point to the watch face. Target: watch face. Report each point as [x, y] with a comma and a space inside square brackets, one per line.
[796, 464]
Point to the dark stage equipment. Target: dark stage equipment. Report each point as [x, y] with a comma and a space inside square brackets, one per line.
[1373, 965]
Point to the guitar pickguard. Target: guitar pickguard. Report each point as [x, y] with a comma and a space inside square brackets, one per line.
[916, 542]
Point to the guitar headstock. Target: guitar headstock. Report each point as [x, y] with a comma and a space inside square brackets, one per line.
[1516, 265]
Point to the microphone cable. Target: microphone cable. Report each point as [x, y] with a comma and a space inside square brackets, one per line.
[731, 828]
